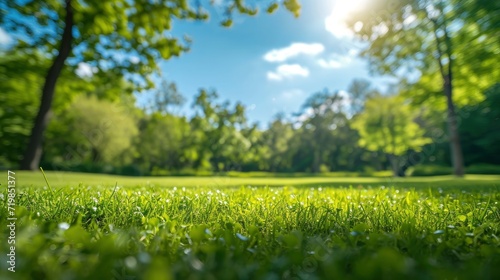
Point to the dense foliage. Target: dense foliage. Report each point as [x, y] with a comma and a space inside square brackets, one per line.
[324, 136]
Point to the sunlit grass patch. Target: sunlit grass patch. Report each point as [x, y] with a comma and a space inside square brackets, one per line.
[152, 231]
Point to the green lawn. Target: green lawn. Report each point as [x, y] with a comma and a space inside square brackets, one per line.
[238, 228]
[62, 179]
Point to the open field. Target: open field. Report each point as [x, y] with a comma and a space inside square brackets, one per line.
[85, 227]
[62, 179]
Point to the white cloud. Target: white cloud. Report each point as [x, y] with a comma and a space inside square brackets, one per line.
[295, 49]
[273, 76]
[5, 38]
[332, 64]
[85, 70]
[335, 23]
[288, 71]
[337, 61]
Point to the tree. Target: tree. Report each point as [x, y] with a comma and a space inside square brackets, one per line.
[101, 34]
[165, 97]
[17, 110]
[162, 142]
[359, 90]
[276, 139]
[222, 141]
[98, 130]
[387, 125]
[480, 128]
[421, 36]
[20, 102]
[323, 113]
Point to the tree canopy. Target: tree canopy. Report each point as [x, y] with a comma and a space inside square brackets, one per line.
[125, 38]
[427, 39]
[388, 125]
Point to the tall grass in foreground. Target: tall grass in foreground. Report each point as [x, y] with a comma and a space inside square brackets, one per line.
[256, 233]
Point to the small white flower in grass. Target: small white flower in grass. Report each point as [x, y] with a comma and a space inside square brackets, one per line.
[439, 231]
[63, 226]
[94, 208]
[130, 262]
[2, 197]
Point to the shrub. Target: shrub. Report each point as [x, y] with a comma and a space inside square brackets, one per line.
[483, 169]
[429, 170]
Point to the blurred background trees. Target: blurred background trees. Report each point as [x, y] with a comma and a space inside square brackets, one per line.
[96, 134]
[444, 58]
[124, 38]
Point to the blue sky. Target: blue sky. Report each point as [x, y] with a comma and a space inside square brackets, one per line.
[271, 63]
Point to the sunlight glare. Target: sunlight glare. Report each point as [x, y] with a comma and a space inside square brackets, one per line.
[335, 22]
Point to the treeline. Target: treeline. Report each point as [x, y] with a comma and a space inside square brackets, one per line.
[96, 126]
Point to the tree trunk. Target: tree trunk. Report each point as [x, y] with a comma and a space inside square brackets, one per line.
[447, 75]
[456, 149]
[316, 162]
[33, 152]
[394, 165]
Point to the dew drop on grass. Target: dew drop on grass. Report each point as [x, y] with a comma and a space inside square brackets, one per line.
[130, 262]
[63, 226]
[241, 237]
[196, 264]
